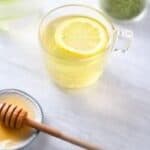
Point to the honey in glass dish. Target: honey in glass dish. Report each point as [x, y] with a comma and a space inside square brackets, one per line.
[9, 138]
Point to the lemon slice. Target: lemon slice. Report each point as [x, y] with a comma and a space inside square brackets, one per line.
[81, 36]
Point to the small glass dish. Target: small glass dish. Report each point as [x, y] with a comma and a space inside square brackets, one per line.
[38, 116]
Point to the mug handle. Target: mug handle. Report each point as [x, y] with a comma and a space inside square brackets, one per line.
[124, 38]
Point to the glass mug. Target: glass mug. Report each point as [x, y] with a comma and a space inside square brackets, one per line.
[67, 69]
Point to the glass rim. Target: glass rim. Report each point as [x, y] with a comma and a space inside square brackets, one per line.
[74, 5]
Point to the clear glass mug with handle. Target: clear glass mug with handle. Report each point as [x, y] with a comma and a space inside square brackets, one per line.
[67, 69]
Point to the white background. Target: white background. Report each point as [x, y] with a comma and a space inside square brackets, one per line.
[115, 112]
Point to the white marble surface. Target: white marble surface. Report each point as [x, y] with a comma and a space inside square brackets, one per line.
[115, 112]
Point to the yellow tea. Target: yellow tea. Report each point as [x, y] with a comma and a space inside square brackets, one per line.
[75, 49]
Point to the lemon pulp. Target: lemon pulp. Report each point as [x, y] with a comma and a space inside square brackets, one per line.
[72, 44]
[81, 36]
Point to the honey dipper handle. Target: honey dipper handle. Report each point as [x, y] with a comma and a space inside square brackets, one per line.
[58, 134]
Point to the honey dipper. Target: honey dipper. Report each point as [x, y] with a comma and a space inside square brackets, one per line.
[14, 117]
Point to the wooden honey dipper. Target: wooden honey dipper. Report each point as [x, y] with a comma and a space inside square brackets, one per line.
[14, 117]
